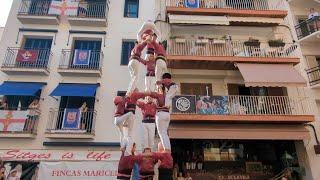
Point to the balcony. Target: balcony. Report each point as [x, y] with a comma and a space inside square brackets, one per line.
[90, 14]
[242, 109]
[15, 123]
[314, 76]
[81, 127]
[70, 67]
[36, 12]
[222, 54]
[26, 62]
[232, 8]
[309, 30]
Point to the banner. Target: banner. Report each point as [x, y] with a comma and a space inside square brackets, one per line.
[71, 119]
[184, 104]
[57, 155]
[78, 170]
[212, 105]
[64, 7]
[81, 57]
[12, 120]
[192, 3]
[30, 56]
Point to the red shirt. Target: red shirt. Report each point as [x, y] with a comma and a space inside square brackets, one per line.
[148, 109]
[126, 164]
[161, 101]
[119, 102]
[136, 51]
[166, 160]
[151, 66]
[146, 164]
[159, 49]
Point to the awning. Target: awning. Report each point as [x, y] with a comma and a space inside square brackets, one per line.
[194, 19]
[238, 131]
[263, 20]
[20, 88]
[79, 90]
[270, 75]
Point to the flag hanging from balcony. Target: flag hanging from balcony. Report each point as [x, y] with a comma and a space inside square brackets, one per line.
[192, 3]
[12, 121]
[29, 56]
[71, 119]
[212, 105]
[64, 7]
[81, 57]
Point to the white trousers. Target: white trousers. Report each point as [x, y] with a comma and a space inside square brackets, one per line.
[149, 130]
[150, 83]
[134, 70]
[162, 122]
[161, 68]
[125, 127]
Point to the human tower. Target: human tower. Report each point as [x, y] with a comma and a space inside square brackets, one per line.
[154, 102]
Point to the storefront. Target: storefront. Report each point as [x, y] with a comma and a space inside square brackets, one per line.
[60, 164]
[236, 159]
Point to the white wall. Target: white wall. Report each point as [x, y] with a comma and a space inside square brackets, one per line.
[114, 77]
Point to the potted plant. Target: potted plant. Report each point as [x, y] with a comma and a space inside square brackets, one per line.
[276, 43]
[252, 42]
[178, 39]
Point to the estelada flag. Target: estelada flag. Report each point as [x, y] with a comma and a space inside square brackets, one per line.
[29, 56]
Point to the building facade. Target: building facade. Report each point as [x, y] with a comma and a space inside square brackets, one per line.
[244, 100]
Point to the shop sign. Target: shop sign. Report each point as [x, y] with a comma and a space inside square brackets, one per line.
[58, 155]
[78, 170]
[233, 177]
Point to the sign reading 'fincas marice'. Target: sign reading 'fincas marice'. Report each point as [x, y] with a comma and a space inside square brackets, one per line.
[58, 155]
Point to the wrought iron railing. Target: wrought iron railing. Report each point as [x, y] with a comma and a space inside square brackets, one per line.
[97, 10]
[19, 120]
[93, 61]
[314, 75]
[88, 9]
[205, 47]
[33, 7]
[249, 105]
[27, 58]
[84, 124]
[232, 4]
[308, 27]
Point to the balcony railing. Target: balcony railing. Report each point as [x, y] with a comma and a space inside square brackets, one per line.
[69, 61]
[84, 124]
[92, 10]
[232, 4]
[32, 7]
[314, 75]
[229, 48]
[31, 58]
[249, 105]
[308, 27]
[19, 120]
[85, 9]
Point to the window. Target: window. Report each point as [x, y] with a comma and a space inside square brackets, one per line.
[95, 52]
[236, 89]
[127, 46]
[131, 8]
[196, 89]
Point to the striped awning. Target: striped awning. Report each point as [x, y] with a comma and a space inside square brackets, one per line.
[263, 20]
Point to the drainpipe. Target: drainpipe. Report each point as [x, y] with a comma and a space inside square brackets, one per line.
[316, 147]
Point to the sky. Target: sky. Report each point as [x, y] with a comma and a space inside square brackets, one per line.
[4, 11]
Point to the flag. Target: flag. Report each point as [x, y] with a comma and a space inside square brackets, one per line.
[192, 3]
[12, 120]
[71, 119]
[30, 56]
[64, 7]
[81, 57]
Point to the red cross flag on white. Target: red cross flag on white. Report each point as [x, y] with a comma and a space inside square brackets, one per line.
[64, 7]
